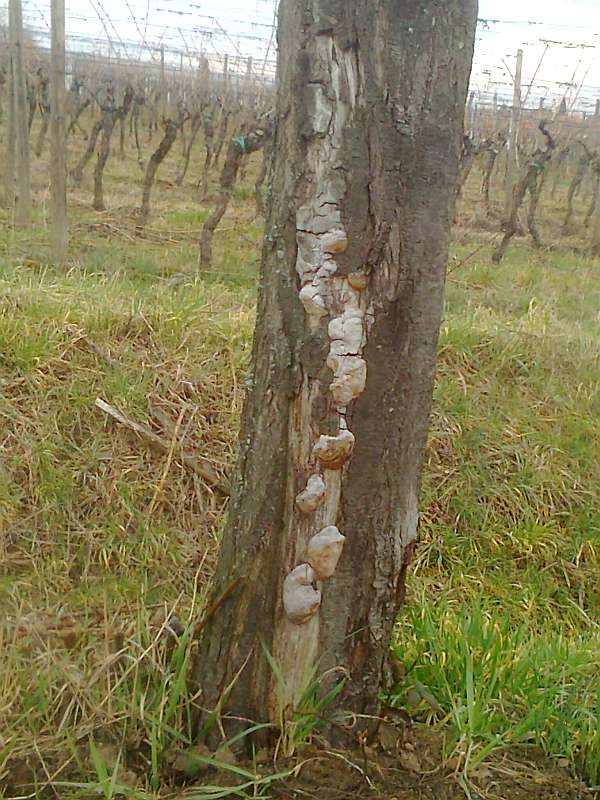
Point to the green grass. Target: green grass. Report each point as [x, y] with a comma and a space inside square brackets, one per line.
[101, 538]
[502, 624]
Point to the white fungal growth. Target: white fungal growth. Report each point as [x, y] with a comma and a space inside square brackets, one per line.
[301, 599]
[347, 333]
[332, 452]
[324, 551]
[350, 378]
[312, 497]
[313, 302]
[327, 269]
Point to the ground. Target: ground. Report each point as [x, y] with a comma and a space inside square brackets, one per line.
[104, 540]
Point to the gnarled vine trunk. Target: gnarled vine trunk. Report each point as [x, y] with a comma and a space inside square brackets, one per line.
[240, 146]
[368, 135]
[580, 173]
[531, 182]
[111, 116]
[156, 159]
[77, 171]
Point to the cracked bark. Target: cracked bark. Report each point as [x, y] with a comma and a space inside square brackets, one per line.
[368, 136]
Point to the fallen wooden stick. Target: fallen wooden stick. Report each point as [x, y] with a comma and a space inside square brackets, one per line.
[199, 465]
[93, 347]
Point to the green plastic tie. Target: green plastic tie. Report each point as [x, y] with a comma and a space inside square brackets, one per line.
[240, 143]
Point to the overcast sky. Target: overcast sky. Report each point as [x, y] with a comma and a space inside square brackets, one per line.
[242, 27]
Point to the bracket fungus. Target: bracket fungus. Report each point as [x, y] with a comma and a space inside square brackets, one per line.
[358, 280]
[332, 452]
[350, 378]
[301, 599]
[347, 332]
[324, 551]
[314, 494]
[334, 242]
[312, 300]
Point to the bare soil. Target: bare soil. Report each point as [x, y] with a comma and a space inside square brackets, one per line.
[417, 771]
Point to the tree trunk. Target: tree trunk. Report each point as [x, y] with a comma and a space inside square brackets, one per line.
[370, 109]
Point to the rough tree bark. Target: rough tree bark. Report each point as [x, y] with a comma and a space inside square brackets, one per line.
[240, 145]
[369, 119]
[531, 181]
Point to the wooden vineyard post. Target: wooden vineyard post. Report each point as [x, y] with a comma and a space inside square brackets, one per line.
[163, 85]
[511, 166]
[9, 170]
[58, 143]
[23, 205]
